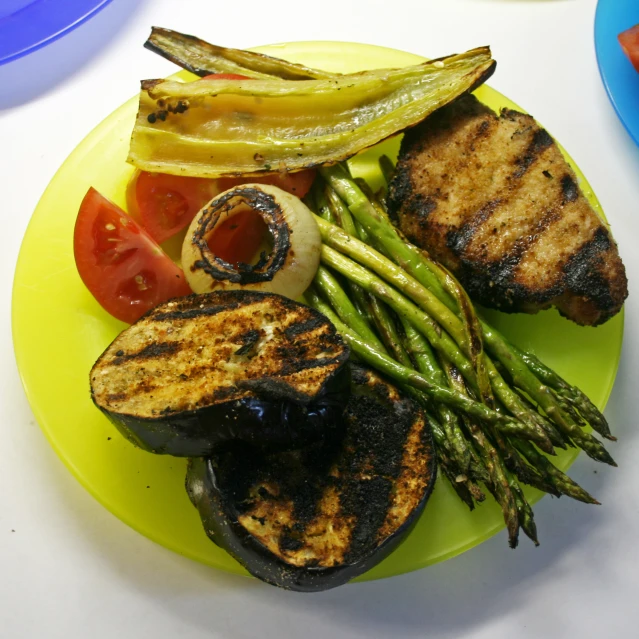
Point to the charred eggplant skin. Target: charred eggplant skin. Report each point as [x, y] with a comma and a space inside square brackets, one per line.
[220, 504]
[261, 421]
[231, 536]
[256, 558]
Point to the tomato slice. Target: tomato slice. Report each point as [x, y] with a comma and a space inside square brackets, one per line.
[121, 265]
[238, 238]
[167, 203]
[629, 41]
[298, 183]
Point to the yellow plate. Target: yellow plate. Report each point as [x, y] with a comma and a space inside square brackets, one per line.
[59, 331]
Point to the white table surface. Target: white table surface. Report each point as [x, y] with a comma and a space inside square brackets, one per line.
[68, 568]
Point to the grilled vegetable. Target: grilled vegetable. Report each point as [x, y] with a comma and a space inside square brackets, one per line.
[199, 370]
[313, 519]
[296, 242]
[212, 128]
[165, 204]
[124, 268]
[203, 58]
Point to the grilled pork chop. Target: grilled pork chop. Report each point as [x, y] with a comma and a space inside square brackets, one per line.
[492, 198]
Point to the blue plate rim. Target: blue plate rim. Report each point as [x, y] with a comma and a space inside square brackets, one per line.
[601, 34]
[55, 24]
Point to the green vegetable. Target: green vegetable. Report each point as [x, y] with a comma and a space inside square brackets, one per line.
[203, 58]
[210, 128]
[377, 359]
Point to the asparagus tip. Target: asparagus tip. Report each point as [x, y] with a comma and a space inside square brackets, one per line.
[546, 445]
[531, 531]
[513, 537]
[606, 458]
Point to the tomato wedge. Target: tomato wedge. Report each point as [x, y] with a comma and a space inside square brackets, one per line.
[122, 266]
[167, 203]
[298, 183]
[629, 41]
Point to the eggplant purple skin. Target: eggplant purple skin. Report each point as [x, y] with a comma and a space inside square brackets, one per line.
[263, 421]
[227, 533]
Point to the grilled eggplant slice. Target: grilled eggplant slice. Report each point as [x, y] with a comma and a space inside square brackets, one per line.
[203, 369]
[313, 519]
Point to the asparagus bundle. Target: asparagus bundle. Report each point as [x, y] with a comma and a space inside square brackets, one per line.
[492, 411]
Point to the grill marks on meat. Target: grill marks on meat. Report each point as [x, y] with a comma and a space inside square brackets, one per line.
[494, 200]
[201, 350]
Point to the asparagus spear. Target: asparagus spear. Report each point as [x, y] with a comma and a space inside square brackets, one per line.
[322, 206]
[568, 392]
[539, 392]
[499, 480]
[331, 209]
[552, 474]
[428, 365]
[404, 375]
[516, 465]
[387, 328]
[328, 284]
[466, 489]
[524, 510]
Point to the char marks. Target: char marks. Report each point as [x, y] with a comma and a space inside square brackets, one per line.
[333, 503]
[493, 199]
[201, 350]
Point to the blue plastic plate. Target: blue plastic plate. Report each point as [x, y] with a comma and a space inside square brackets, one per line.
[618, 75]
[27, 25]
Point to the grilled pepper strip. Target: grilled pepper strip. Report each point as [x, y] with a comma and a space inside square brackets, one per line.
[212, 128]
[203, 58]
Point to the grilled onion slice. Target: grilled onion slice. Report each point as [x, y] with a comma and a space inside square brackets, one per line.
[293, 259]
